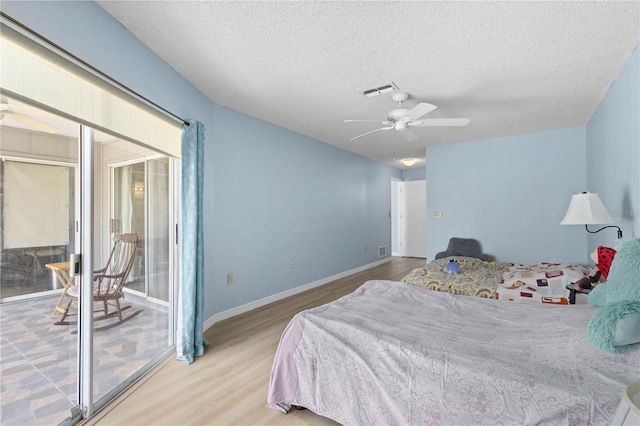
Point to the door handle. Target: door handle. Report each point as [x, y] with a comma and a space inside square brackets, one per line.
[74, 264]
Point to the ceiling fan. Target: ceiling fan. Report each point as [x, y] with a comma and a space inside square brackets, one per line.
[402, 119]
[22, 114]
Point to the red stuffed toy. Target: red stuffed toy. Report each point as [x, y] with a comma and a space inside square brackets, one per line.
[603, 257]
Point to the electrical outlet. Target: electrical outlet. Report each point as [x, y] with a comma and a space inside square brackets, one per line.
[292, 265]
[230, 278]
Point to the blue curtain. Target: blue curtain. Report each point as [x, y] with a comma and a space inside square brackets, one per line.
[191, 341]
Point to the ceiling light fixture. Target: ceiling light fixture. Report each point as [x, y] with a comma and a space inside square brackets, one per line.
[409, 161]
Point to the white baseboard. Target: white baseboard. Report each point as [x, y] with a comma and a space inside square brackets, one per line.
[284, 294]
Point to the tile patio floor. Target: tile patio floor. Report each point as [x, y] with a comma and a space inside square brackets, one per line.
[39, 360]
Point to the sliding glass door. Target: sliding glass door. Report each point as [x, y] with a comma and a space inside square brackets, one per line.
[128, 200]
[158, 229]
[141, 203]
[40, 220]
[136, 199]
[70, 339]
[58, 198]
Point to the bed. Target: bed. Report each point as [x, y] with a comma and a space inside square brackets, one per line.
[543, 282]
[396, 354]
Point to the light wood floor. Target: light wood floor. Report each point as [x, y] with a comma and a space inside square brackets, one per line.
[229, 384]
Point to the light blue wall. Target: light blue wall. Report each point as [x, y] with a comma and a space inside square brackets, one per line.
[282, 197]
[271, 195]
[613, 155]
[414, 174]
[510, 193]
[483, 186]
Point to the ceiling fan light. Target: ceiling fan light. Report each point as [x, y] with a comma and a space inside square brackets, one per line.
[409, 161]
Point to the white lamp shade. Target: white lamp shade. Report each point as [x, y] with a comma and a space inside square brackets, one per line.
[586, 209]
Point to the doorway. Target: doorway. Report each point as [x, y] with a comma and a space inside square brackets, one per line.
[409, 218]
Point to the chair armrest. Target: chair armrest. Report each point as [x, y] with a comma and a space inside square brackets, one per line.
[102, 276]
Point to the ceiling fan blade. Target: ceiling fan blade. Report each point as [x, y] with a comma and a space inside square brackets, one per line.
[409, 135]
[459, 122]
[32, 122]
[373, 131]
[419, 110]
[366, 121]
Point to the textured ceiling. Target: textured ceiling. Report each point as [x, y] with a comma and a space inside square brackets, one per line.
[510, 67]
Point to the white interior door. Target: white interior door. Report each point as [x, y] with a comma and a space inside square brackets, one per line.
[412, 211]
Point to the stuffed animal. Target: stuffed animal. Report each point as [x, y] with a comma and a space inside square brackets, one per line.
[616, 327]
[452, 267]
[602, 257]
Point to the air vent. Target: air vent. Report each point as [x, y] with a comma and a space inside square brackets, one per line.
[380, 90]
[382, 251]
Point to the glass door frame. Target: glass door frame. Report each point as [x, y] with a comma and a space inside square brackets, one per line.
[76, 209]
[85, 305]
[172, 219]
[88, 402]
[87, 406]
[83, 400]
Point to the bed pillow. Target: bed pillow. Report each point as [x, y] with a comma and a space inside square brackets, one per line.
[467, 247]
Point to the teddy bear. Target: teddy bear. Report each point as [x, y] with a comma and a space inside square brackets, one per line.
[602, 256]
[616, 326]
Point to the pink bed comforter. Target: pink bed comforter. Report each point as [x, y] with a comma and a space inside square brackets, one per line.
[396, 354]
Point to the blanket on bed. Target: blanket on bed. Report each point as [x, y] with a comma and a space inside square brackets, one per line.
[395, 354]
[542, 282]
[476, 277]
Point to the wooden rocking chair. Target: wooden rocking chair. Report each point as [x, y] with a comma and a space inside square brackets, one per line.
[108, 283]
